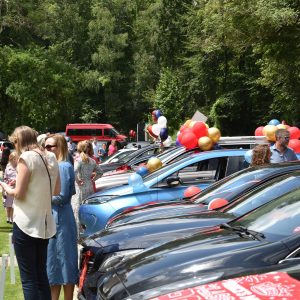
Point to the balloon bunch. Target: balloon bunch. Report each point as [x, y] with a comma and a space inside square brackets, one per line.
[269, 132]
[132, 133]
[197, 133]
[159, 129]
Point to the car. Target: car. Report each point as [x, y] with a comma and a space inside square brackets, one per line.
[166, 184]
[227, 189]
[116, 244]
[119, 155]
[279, 282]
[261, 238]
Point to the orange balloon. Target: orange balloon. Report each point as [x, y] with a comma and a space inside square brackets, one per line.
[214, 133]
[205, 143]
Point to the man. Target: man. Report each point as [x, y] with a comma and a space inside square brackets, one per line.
[102, 152]
[280, 150]
[95, 148]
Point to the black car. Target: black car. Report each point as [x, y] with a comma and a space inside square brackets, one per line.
[113, 245]
[228, 189]
[261, 238]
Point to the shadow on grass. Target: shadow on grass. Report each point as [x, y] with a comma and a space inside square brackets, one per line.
[7, 229]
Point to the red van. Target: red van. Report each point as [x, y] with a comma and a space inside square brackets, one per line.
[103, 132]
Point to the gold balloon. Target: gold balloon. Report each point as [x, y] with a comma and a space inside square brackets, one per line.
[192, 123]
[206, 125]
[187, 123]
[153, 164]
[214, 133]
[205, 143]
[269, 132]
[281, 126]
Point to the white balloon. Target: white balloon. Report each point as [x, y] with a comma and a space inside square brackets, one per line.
[156, 129]
[162, 122]
[167, 142]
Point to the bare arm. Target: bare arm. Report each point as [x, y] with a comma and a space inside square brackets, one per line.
[22, 181]
[57, 186]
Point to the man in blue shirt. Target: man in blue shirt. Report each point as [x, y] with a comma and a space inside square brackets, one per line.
[280, 150]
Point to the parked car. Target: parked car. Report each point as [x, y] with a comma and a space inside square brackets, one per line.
[227, 189]
[264, 237]
[119, 155]
[165, 184]
[111, 246]
[274, 282]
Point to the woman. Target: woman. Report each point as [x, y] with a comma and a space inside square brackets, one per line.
[112, 148]
[37, 180]
[62, 257]
[84, 167]
[261, 155]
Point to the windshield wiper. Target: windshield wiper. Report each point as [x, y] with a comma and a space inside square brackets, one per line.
[243, 230]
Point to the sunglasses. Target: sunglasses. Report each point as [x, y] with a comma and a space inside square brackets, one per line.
[48, 147]
[287, 138]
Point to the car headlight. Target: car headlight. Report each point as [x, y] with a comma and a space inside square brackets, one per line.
[177, 286]
[98, 200]
[113, 259]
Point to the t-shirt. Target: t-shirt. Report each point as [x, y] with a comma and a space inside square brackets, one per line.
[278, 157]
[96, 149]
[33, 213]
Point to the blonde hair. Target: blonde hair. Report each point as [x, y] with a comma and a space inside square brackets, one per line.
[85, 148]
[24, 138]
[12, 156]
[61, 145]
[260, 155]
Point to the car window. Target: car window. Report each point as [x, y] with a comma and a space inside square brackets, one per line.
[109, 132]
[266, 193]
[278, 218]
[232, 186]
[234, 163]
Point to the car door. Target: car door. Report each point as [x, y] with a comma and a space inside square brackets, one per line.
[202, 174]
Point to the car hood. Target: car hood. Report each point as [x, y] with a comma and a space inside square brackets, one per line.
[195, 255]
[158, 210]
[116, 191]
[157, 231]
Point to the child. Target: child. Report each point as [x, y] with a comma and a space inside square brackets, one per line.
[10, 178]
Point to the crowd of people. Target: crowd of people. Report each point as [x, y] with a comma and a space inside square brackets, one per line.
[45, 181]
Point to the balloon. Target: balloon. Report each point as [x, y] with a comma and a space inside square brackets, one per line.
[153, 164]
[205, 143]
[153, 115]
[281, 126]
[214, 133]
[248, 156]
[274, 122]
[269, 132]
[162, 122]
[135, 180]
[295, 145]
[132, 133]
[188, 140]
[178, 144]
[259, 131]
[192, 123]
[156, 129]
[200, 129]
[294, 132]
[206, 125]
[142, 170]
[149, 129]
[187, 123]
[167, 142]
[158, 113]
[217, 203]
[183, 127]
[191, 191]
[163, 134]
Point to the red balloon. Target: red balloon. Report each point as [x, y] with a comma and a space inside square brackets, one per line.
[259, 131]
[295, 145]
[200, 129]
[217, 203]
[183, 127]
[294, 132]
[188, 140]
[191, 191]
[149, 128]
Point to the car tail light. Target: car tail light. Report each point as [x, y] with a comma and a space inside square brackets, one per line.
[85, 267]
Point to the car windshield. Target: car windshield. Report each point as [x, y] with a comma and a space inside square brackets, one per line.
[115, 131]
[233, 185]
[132, 156]
[279, 217]
[267, 192]
[164, 155]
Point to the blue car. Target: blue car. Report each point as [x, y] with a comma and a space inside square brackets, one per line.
[166, 184]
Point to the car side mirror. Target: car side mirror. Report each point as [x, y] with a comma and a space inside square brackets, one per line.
[173, 181]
